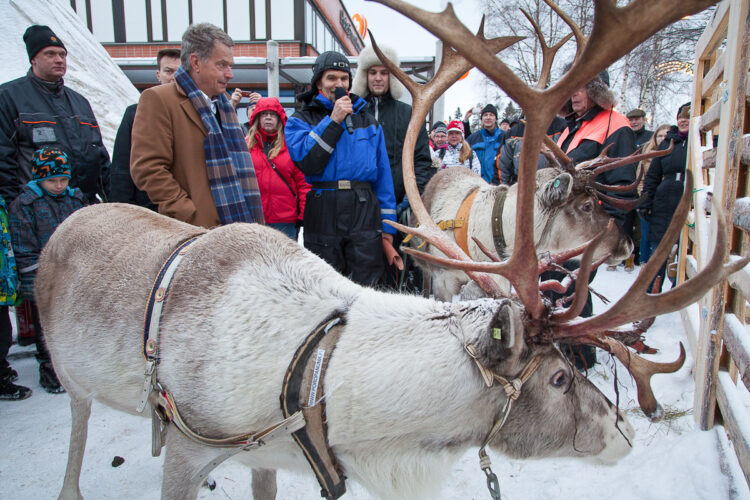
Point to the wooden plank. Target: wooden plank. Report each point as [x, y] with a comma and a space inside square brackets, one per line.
[727, 168]
[736, 420]
[715, 32]
[714, 76]
[710, 118]
[709, 155]
[736, 342]
[691, 322]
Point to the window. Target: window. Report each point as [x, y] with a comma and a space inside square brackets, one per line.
[135, 21]
[282, 19]
[309, 24]
[260, 19]
[208, 12]
[102, 22]
[238, 19]
[156, 25]
[178, 19]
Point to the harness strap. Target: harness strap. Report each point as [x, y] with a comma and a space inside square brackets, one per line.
[461, 232]
[498, 237]
[154, 307]
[302, 390]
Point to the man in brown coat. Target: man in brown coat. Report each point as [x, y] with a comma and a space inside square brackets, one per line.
[189, 153]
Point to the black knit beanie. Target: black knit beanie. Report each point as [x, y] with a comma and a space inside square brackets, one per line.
[38, 37]
[489, 109]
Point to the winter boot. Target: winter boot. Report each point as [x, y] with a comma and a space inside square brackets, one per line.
[12, 392]
[48, 379]
[629, 263]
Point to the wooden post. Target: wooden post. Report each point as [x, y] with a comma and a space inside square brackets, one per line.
[272, 63]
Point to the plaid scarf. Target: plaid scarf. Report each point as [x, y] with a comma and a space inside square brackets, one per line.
[228, 163]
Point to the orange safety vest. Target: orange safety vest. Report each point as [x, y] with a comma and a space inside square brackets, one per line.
[604, 124]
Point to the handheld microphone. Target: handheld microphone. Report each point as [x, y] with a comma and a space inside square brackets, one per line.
[339, 92]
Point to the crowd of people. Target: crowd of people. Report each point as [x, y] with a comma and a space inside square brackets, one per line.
[333, 167]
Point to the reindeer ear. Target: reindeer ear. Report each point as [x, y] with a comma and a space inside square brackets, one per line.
[555, 191]
[505, 331]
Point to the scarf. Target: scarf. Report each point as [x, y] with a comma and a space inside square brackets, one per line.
[230, 169]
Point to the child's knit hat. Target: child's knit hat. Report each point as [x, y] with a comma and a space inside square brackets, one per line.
[50, 162]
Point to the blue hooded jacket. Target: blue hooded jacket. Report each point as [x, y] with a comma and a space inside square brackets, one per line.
[324, 151]
[486, 146]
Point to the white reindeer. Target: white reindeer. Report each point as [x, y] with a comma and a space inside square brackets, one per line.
[404, 400]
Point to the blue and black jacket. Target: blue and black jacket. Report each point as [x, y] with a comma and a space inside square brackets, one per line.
[324, 151]
[487, 146]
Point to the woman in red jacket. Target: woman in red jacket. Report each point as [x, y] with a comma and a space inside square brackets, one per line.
[282, 185]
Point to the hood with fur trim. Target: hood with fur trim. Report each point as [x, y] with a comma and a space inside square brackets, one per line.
[368, 59]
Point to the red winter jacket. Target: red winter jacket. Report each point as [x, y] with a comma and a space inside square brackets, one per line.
[280, 203]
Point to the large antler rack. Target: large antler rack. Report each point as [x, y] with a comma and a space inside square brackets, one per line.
[616, 31]
[453, 65]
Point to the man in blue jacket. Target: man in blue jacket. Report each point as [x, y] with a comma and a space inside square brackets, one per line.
[346, 162]
[486, 141]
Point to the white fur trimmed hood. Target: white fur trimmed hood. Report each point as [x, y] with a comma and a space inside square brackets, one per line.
[368, 59]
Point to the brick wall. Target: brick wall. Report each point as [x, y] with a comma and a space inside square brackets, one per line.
[247, 49]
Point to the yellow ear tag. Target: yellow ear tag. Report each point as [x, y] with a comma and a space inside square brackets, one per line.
[497, 333]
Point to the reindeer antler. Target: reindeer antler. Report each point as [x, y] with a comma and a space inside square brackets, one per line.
[452, 67]
[616, 30]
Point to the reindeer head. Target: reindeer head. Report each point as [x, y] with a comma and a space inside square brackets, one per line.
[616, 30]
[573, 214]
[556, 403]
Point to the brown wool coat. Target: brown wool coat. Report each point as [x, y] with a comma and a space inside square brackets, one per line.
[167, 160]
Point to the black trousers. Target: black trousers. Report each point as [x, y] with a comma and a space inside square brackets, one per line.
[583, 356]
[344, 228]
[6, 338]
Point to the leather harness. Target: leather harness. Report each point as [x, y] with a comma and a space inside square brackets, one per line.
[460, 224]
[302, 399]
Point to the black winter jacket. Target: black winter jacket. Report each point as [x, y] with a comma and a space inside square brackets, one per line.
[623, 144]
[33, 116]
[664, 184]
[394, 117]
[121, 186]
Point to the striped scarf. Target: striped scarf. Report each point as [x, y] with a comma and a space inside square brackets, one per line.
[230, 169]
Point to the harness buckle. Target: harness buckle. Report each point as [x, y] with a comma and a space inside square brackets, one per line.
[147, 385]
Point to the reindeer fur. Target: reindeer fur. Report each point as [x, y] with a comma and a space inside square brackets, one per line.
[404, 400]
[560, 223]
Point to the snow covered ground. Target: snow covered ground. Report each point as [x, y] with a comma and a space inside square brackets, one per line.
[670, 459]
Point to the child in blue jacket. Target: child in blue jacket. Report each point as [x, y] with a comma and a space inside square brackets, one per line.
[43, 204]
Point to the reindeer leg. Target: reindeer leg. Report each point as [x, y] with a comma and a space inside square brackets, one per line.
[264, 484]
[80, 410]
[182, 460]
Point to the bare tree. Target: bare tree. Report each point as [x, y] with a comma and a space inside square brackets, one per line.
[655, 76]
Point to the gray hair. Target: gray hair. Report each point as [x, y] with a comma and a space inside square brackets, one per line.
[199, 39]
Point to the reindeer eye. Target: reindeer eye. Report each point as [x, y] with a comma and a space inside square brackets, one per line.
[559, 379]
[587, 207]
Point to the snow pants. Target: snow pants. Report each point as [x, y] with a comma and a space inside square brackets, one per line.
[344, 228]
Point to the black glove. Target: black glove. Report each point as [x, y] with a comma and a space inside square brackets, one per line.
[645, 214]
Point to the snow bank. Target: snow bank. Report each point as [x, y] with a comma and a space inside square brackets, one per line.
[91, 71]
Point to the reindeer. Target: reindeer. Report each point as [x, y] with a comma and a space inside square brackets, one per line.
[567, 207]
[567, 214]
[410, 385]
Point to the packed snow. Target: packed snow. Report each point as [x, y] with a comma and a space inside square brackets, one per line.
[670, 458]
